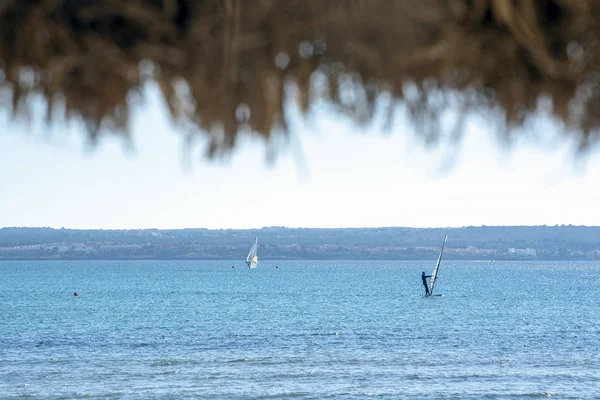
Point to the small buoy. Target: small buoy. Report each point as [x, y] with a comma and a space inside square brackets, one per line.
[75, 294]
[233, 266]
[277, 266]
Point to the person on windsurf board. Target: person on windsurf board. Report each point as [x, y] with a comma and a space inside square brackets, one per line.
[424, 278]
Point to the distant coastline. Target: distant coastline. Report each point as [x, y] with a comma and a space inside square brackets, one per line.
[564, 242]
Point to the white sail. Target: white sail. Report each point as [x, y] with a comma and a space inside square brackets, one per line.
[433, 277]
[252, 259]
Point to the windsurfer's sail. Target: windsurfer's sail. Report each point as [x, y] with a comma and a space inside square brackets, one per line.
[433, 277]
[252, 259]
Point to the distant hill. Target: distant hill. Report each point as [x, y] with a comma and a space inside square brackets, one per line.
[563, 242]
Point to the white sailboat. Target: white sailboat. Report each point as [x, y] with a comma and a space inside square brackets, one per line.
[252, 259]
[434, 274]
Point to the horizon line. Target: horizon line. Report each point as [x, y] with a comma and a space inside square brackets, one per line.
[298, 227]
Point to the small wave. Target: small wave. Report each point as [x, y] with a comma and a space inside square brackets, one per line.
[236, 360]
[336, 333]
[536, 395]
[170, 372]
[142, 345]
[169, 363]
[288, 395]
[95, 396]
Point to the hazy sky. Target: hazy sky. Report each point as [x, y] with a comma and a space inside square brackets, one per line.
[352, 178]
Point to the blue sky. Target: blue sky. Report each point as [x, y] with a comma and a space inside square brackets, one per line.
[346, 176]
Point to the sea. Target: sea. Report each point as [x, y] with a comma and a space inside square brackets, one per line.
[299, 330]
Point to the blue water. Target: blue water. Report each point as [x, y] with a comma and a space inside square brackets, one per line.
[307, 330]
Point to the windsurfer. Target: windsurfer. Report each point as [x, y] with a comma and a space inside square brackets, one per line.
[424, 279]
